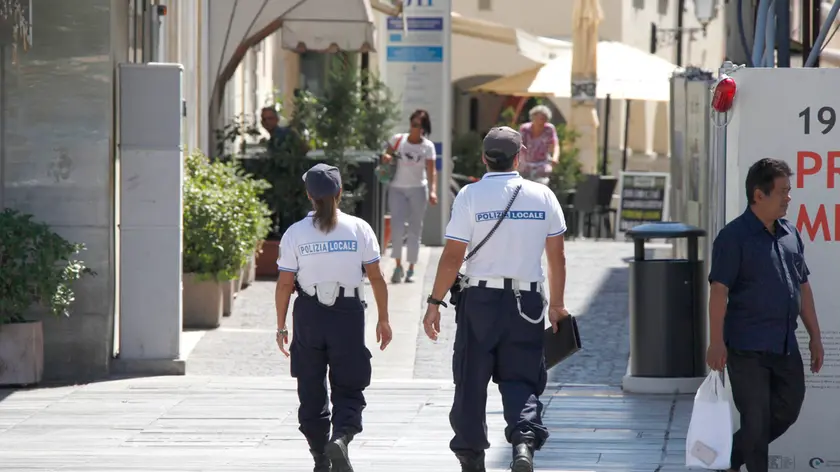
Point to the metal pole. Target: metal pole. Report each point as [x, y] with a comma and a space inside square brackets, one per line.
[805, 28]
[832, 14]
[680, 17]
[627, 104]
[2, 127]
[605, 150]
[783, 33]
[816, 15]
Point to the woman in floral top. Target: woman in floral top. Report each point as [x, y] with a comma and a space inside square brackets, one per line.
[540, 138]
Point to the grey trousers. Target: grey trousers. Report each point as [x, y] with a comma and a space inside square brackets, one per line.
[408, 206]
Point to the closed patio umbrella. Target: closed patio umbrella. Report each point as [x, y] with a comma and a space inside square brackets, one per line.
[586, 18]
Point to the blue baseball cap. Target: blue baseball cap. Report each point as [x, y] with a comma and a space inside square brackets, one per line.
[322, 181]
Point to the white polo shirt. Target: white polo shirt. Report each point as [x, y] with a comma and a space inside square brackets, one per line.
[337, 256]
[515, 250]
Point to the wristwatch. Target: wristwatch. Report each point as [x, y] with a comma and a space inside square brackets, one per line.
[282, 332]
[434, 301]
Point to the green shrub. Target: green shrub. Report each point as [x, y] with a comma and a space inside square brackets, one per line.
[224, 218]
[356, 111]
[466, 152]
[36, 268]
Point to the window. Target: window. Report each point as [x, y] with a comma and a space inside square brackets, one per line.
[485, 5]
[662, 7]
[639, 4]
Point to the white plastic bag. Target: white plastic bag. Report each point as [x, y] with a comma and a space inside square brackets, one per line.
[708, 444]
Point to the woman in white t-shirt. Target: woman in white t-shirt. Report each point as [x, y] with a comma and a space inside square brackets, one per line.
[413, 185]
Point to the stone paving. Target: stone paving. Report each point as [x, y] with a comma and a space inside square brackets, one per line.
[242, 424]
[235, 411]
[244, 345]
[596, 293]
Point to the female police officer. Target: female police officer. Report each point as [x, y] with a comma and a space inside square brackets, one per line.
[321, 257]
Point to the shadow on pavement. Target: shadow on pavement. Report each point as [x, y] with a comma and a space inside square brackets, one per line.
[604, 330]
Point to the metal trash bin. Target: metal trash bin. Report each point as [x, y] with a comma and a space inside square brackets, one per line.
[370, 208]
[667, 323]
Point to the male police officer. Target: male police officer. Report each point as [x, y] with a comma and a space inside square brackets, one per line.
[500, 314]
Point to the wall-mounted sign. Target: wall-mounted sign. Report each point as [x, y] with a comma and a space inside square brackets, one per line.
[583, 90]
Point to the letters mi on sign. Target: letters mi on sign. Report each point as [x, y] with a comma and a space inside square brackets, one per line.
[419, 3]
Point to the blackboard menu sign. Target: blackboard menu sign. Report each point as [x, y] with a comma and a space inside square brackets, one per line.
[643, 198]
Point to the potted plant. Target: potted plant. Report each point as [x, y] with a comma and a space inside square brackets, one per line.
[37, 267]
[214, 240]
[253, 215]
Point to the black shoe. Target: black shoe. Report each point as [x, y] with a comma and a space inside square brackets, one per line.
[322, 462]
[337, 453]
[471, 462]
[523, 458]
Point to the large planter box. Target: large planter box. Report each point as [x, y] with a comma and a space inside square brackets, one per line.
[21, 353]
[249, 272]
[203, 303]
[267, 259]
[228, 294]
[237, 283]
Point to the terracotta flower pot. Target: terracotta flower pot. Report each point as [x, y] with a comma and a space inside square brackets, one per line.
[21, 353]
[267, 259]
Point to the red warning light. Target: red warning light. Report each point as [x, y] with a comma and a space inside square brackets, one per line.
[724, 94]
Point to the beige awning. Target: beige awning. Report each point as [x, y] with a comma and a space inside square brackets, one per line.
[624, 72]
[305, 25]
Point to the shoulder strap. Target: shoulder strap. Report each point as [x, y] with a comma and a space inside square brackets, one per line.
[498, 222]
[397, 144]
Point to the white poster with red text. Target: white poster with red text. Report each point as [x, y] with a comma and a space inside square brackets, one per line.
[794, 115]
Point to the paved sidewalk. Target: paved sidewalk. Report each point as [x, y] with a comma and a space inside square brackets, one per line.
[244, 345]
[596, 293]
[195, 423]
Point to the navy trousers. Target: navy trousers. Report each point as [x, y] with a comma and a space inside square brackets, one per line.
[493, 341]
[331, 337]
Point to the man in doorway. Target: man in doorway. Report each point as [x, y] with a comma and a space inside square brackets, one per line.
[759, 287]
[270, 120]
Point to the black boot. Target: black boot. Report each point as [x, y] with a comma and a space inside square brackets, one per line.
[322, 462]
[471, 462]
[523, 457]
[337, 452]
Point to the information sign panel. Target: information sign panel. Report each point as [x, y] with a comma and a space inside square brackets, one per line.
[792, 114]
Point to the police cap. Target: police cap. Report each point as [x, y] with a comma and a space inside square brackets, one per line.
[502, 143]
[322, 181]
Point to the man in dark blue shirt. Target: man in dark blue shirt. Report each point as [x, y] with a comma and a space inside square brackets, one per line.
[759, 287]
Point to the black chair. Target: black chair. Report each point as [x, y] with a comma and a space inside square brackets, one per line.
[585, 203]
[593, 198]
[604, 212]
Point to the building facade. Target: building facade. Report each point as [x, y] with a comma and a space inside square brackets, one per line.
[626, 21]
